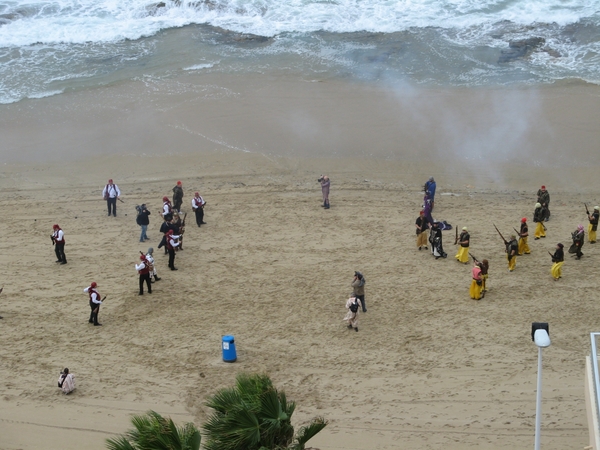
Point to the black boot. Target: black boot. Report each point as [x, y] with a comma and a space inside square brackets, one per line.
[156, 278]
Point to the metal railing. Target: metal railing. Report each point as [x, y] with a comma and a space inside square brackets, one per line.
[595, 371]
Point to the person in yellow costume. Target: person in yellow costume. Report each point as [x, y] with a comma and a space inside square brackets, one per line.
[538, 217]
[463, 251]
[476, 290]
[512, 250]
[523, 235]
[558, 259]
[593, 226]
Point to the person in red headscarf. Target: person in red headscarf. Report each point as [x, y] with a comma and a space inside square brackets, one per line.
[177, 196]
[198, 207]
[95, 303]
[58, 239]
[167, 211]
[143, 269]
[523, 235]
[111, 193]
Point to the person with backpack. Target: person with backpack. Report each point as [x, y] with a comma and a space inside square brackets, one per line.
[353, 305]
[111, 193]
[143, 221]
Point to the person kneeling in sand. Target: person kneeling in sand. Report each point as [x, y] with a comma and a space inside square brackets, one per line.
[66, 381]
[353, 305]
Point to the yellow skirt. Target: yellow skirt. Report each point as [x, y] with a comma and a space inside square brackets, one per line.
[463, 255]
[475, 290]
[591, 233]
[539, 230]
[556, 270]
[524, 246]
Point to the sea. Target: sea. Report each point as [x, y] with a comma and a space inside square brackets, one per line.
[48, 47]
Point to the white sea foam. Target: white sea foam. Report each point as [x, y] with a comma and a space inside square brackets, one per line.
[199, 67]
[54, 21]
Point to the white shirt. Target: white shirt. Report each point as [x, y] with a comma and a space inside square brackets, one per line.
[149, 258]
[58, 236]
[166, 208]
[140, 266]
[172, 242]
[198, 202]
[112, 190]
[95, 296]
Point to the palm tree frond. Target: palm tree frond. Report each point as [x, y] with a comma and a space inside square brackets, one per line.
[308, 432]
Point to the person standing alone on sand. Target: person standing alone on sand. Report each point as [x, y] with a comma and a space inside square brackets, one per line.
[538, 217]
[325, 184]
[523, 235]
[558, 259]
[593, 226]
[177, 196]
[353, 305]
[58, 239]
[358, 285]
[198, 207]
[111, 193]
[422, 225]
[95, 303]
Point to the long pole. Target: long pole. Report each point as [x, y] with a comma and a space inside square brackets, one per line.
[538, 406]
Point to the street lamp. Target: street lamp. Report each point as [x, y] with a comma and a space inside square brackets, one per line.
[540, 334]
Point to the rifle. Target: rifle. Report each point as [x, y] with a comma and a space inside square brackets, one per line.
[472, 256]
[120, 200]
[182, 230]
[1, 289]
[53, 240]
[505, 241]
[518, 232]
[456, 235]
[586, 209]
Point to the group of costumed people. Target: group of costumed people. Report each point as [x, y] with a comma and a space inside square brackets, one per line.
[513, 247]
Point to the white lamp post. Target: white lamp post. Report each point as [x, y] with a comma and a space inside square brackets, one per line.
[540, 334]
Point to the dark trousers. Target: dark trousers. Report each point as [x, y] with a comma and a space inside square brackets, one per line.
[362, 300]
[94, 315]
[199, 216]
[171, 258]
[59, 249]
[177, 204]
[112, 203]
[145, 277]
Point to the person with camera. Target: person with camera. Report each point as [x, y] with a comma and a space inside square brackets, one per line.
[325, 184]
[111, 193]
[66, 381]
[198, 207]
[58, 239]
[358, 285]
[143, 221]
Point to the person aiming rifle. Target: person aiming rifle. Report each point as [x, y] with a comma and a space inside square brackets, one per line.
[484, 265]
[558, 259]
[512, 250]
[593, 225]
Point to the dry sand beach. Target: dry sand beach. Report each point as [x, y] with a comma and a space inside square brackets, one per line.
[429, 368]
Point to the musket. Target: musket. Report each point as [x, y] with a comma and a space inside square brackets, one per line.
[456, 235]
[1, 289]
[53, 240]
[474, 259]
[120, 200]
[505, 241]
[518, 233]
[586, 209]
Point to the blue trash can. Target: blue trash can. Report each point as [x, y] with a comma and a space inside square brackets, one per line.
[228, 344]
